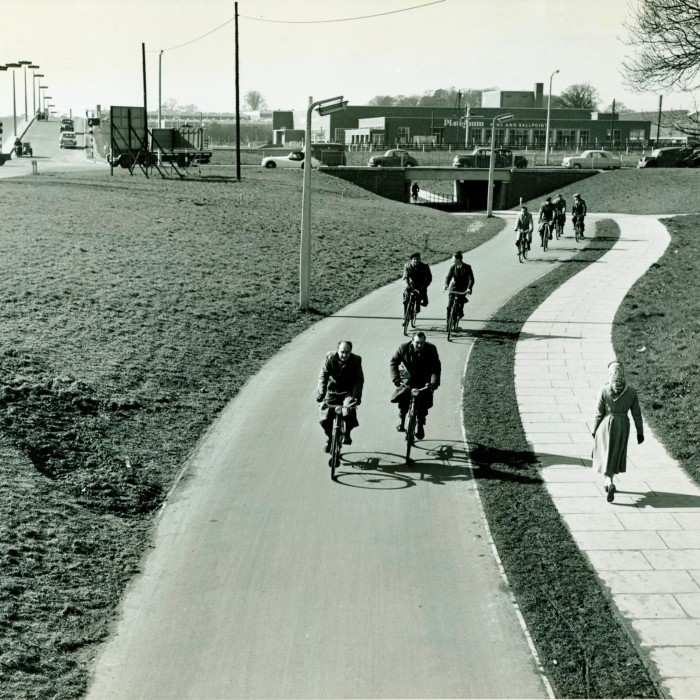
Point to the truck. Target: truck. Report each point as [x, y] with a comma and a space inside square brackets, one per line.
[183, 146]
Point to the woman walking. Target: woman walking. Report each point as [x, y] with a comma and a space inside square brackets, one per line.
[611, 427]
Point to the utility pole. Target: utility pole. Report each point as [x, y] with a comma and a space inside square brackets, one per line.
[238, 113]
[612, 124]
[658, 123]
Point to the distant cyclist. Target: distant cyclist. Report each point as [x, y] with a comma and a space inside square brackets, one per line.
[415, 189]
[524, 224]
[560, 206]
[547, 213]
[340, 383]
[578, 211]
[416, 275]
[460, 278]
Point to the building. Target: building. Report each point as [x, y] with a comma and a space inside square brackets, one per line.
[373, 127]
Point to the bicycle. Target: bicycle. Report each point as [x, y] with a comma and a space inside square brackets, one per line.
[545, 234]
[452, 320]
[559, 225]
[523, 244]
[337, 437]
[578, 228]
[411, 308]
[412, 421]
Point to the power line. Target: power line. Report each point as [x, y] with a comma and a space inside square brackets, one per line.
[313, 21]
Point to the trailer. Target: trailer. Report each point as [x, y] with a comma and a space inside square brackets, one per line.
[182, 146]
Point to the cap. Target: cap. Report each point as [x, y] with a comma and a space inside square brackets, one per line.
[458, 255]
[577, 195]
[549, 199]
[415, 255]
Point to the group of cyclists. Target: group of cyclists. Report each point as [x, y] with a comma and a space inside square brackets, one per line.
[416, 363]
[552, 217]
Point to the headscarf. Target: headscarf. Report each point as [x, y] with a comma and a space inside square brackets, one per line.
[617, 381]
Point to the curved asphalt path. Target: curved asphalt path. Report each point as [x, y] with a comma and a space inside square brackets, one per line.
[267, 579]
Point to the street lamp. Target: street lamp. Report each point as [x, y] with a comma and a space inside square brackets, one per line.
[14, 97]
[41, 97]
[46, 104]
[25, 64]
[328, 106]
[549, 107]
[35, 91]
[34, 69]
[498, 119]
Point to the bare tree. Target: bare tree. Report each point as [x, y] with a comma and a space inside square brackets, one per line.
[666, 37]
[255, 100]
[579, 96]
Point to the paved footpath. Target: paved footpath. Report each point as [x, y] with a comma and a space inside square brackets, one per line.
[646, 545]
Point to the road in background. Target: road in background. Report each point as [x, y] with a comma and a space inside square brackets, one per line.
[267, 579]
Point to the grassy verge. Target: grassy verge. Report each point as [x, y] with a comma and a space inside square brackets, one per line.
[133, 310]
[584, 651]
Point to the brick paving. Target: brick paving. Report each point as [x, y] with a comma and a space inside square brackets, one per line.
[645, 546]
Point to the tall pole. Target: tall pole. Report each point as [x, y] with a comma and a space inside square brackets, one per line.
[612, 124]
[466, 128]
[238, 113]
[14, 103]
[658, 123]
[549, 109]
[160, 85]
[305, 260]
[26, 116]
[145, 106]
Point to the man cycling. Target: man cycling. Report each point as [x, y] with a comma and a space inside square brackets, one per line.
[578, 211]
[547, 212]
[340, 383]
[560, 206]
[460, 278]
[416, 275]
[524, 223]
[413, 366]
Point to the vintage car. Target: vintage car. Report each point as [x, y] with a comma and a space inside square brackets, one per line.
[480, 157]
[671, 157]
[68, 140]
[595, 160]
[393, 158]
[295, 159]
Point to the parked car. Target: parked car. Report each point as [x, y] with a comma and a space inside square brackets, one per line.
[68, 139]
[295, 159]
[393, 158]
[671, 157]
[598, 160]
[480, 157]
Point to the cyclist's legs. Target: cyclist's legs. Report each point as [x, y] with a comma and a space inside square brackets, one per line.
[423, 296]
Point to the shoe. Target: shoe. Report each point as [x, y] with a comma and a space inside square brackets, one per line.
[611, 493]
[401, 428]
[347, 440]
[607, 486]
[420, 432]
[327, 446]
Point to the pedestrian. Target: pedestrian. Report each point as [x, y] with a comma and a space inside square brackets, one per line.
[611, 426]
[340, 383]
[415, 189]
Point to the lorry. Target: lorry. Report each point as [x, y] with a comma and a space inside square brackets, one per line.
[182, 146]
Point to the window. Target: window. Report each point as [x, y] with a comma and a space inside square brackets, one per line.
[403, 134]
[539, 137]
[616, 135]
[437, 132]
[518, 138]
[583, 138]
[636, 134]
[566, 138]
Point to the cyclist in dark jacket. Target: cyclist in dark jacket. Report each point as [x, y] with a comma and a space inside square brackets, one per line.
[416, 275]
[460, 278]
[547, 212]
[340, 382]
[413, 366]
[579, 210]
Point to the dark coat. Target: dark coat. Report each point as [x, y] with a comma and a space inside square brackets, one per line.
[418, 275]
[422, 369]
[337, 379]
[460, 279]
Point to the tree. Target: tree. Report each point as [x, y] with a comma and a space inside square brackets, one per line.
[255, 100]
[620, 108]
[580, 96]
[665, 35]
[383, 101]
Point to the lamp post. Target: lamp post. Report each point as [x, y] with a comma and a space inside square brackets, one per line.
[498, 119]
[549, 107]
[35, 92]
[24, 64]
[33, 69]
[42, 97]
[332, 104]
[14, 96]
[3, 67]
[46, 105]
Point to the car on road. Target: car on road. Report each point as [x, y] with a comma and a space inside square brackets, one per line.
[671, 157]
[393, 158]
[295, 159]
[68, 139]
[592, 159]
[67, 124]
[480, 157]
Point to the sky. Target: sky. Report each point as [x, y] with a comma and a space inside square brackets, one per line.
[90, 51]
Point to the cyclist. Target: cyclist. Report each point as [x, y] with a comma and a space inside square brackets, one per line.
[340, 382]
[524, 224]
[460, 278]
[413, 366]
[560, 206]
[416, 275]
[415, 189]
[547, 211]
[578, 211]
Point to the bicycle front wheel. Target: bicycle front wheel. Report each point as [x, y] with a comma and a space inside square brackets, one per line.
[410, 434]
[406, 317]
[545, 238]
[336, 446]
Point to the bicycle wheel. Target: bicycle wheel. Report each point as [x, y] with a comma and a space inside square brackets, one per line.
[336, 445]
[526, 247]
[520, 250]
[414, 311]
[406, 316]
[448, 320]
[559, 230]
[410, 432]
[577, 231]
[545, 238]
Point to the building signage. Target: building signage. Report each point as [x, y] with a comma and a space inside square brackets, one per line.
[507, 125]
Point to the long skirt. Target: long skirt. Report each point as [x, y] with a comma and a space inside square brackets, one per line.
[610, 446]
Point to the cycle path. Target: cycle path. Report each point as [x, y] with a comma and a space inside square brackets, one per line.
[267, 579]
[645, 546]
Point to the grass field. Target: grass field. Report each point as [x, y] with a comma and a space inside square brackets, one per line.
[134, 309]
